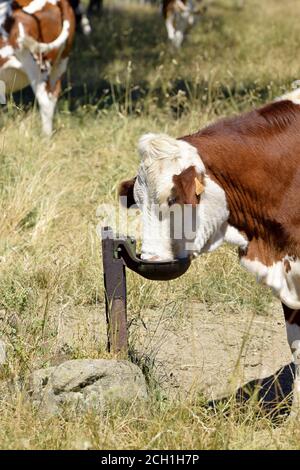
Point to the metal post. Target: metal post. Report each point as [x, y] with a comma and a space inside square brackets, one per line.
[115, 292]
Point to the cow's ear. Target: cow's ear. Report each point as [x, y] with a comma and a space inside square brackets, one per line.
[126, 192]
[188, 186]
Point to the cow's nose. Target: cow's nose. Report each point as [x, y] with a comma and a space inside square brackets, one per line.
[154, 258]
[150, 257]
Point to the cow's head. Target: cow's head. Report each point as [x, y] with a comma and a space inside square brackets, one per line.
[184, 212]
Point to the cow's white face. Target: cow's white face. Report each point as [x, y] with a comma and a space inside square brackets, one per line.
[184, 212]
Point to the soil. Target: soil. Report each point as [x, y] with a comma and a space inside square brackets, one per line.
[205, 352]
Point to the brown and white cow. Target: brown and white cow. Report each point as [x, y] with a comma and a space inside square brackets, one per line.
[35, 41]
[178, 15]
[241, 178]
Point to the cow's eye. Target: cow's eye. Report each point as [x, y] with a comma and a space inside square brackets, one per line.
[171, 201]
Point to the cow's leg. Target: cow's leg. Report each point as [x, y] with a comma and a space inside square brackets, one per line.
[85, 25]
[181, 26]
[39, 83]
[170, 27]
[47, 103]
[48, 96]
[46, 87]
[292, 319]
[175, 35]
[190, 13]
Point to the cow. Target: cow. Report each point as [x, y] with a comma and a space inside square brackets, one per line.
[35, 41]
[178, 16]
[82, 13]
[82, 22]
[237, 181]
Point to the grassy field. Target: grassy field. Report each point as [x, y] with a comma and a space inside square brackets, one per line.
[123, 81]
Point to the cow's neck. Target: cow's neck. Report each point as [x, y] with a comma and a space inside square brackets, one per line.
[253, 216]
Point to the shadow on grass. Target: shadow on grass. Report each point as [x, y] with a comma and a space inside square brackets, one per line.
[115, 65]
[273, 394]
[135, 40]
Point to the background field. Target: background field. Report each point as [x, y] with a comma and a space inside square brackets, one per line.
[122, 81]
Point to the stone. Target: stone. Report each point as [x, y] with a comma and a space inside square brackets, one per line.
[86, 385]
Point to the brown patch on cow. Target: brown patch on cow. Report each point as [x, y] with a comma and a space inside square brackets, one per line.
[126, 190]
[21, 3]
[255, 158]
[30, 27]
[68, 14]
[291, 316]
[43, 26]
[185, 188]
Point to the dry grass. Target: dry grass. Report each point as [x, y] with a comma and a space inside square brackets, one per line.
[49, 191]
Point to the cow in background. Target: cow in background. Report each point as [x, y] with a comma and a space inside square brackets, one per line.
[82, 14]
[35, 42]
[82, 22]
[178, 15]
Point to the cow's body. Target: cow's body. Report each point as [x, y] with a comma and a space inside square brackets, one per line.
[178, 15]
[242, 175]
[256, 160]
[35, 40]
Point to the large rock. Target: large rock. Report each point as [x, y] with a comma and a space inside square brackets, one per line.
[87, 384]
